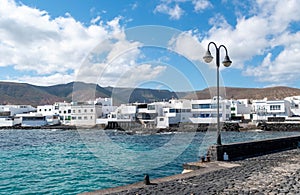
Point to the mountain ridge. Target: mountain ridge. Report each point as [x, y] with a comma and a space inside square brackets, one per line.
[23, 93]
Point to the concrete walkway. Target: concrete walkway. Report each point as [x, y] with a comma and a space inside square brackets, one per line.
[277, 173]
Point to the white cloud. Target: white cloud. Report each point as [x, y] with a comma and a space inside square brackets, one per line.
[31, 40]
[187, 45]
[139, 74]
[51, 50]
[175, 12]
[95, 20]
[260, 34]
[200, 5]
[134, 6]
[45, 80]
[174, 9]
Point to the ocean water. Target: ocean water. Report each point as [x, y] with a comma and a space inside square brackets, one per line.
[41, 161]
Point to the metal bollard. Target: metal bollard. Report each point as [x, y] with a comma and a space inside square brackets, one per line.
[146, 179]
[202, 158]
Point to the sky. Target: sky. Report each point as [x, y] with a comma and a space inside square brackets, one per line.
[156, 44]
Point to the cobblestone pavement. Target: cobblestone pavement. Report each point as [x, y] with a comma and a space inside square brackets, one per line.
[277, 173]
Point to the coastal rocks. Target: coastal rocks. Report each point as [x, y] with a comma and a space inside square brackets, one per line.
[279, 126]
[181, 127]
[231, 127]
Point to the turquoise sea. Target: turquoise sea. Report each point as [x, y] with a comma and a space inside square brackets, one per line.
[42, 161]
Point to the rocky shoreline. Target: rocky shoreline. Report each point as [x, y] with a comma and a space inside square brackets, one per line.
[62, 127]
[277, 173]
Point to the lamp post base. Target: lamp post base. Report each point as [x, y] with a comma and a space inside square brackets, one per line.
[219, 143]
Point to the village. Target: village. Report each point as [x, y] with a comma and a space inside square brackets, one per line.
[163, 114]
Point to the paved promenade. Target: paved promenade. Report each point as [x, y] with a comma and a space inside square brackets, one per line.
[277, 173]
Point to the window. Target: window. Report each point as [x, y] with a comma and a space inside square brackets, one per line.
[161, 119]
[206, 115]
[214, 106]
[232, 108]
[196, 115]
[79, 118]
[91, 117]
[49, 109]
[65, 112]
[69, 111]
[274, 107]
[74, 111]
[85, 110]
[214, 115]
[73, 117]
[92, 110]
[151, 107]
[195, 106]
[201, 106]
[85, 118]
[79, 111]
[172, 110]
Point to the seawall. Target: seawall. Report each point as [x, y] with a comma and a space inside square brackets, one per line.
[276, 173]
[241, 150]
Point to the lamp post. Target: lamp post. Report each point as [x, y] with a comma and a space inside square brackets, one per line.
[226, 62]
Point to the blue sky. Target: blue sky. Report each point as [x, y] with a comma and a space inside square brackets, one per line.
[111, 43]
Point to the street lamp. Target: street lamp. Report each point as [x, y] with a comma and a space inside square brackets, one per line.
[226, 62]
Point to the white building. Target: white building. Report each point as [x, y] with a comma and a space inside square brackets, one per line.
[123, 113]
[174, 113]
[205, 111]
[5, 119]
[83, 114]
[295, 105]
[7, 113]
[240, 109]
[30, 120]
[107, 106]
[264, 109]
[60, 109]
[17, 109]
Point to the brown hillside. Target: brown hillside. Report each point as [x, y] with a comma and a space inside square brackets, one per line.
[272, 93]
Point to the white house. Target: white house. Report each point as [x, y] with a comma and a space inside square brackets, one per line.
[7, 113]
[83, 114]
[107, 106]
[30, 120]
[123, 113]
[205, 111]
[59, 112]
[240, 109]
[5, 119]
[17, 109]
[264, 109]
[295, 105]
[176, 111]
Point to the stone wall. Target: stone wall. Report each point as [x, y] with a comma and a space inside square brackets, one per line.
[242, 150]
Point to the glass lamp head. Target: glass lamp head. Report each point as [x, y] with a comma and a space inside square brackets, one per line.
[208, 57]
[227, 62]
